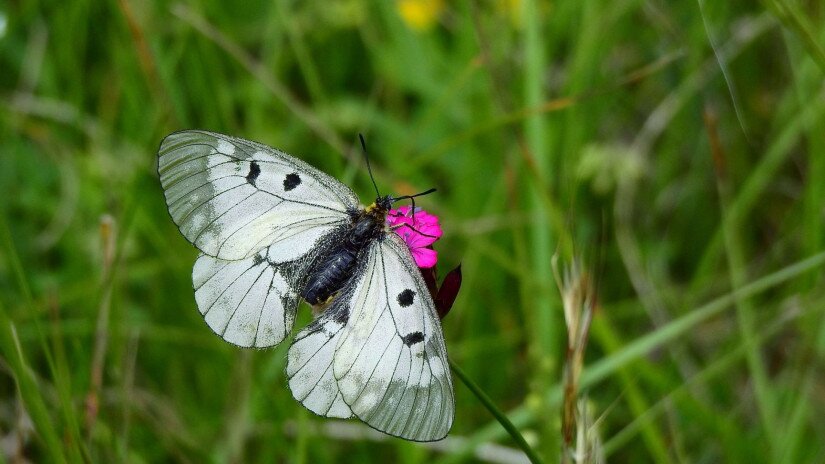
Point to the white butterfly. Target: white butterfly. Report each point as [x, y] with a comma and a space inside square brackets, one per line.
[272, 230]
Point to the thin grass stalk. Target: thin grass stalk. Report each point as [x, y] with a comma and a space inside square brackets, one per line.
[29, 389]
[108, 236]
[25, 379]
[761, 176]
[736, 267]
[537, 147]
[718, 367]
[578, 301]
[791, 17]
[497, 413]
[73, 437]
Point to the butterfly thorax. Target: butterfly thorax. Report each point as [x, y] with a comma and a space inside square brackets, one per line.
[380, 207]
[333, 269]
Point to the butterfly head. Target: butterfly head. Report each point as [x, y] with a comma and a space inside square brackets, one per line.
[384, 204]
[381, 205]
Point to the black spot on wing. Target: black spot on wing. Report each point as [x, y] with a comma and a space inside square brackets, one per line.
[412, 338]
[254, 172]
[291, 181]
[406, 298]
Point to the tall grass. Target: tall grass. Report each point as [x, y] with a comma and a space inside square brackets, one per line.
[674, 148]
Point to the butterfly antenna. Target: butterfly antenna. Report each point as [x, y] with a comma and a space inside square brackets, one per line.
[369, 169]
[412, 199]
[407, 197]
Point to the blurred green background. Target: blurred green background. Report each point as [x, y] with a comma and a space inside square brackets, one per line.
[675, 149]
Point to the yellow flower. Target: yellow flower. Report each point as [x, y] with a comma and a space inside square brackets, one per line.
[420, 15]
[511, 8]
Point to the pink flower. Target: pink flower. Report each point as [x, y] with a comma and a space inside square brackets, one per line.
[419, 233]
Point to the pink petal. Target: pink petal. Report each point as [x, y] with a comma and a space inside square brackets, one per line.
[400, 215]
[418, 232]
[404, 215]
[413, 238]
[425, 217]
[429, 229]
[424, 257]
[416, 240]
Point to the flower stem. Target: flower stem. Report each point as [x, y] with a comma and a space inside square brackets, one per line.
[500, 416]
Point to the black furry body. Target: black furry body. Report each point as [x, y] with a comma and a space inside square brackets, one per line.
[331, 271]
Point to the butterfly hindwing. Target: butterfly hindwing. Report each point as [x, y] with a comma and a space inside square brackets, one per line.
[390, 362]
[309, 363]
[249, 302]
[231, 197]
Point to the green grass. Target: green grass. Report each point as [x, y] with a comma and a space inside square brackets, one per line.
[675, 147]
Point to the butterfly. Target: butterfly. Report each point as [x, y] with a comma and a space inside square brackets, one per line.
[273, 230]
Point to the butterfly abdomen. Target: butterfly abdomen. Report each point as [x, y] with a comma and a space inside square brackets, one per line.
[330, 273]
[329, 276]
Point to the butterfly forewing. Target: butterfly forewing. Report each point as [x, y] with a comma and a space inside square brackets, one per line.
[231, 197]
[391, 362]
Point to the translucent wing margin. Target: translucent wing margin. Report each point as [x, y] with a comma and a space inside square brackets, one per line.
[231, 197]
[390, 362]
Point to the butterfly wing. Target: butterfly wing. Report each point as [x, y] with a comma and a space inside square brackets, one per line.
[249, 302]
[231, 197]
[259, 217]
[390, 361]
[309, 362]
